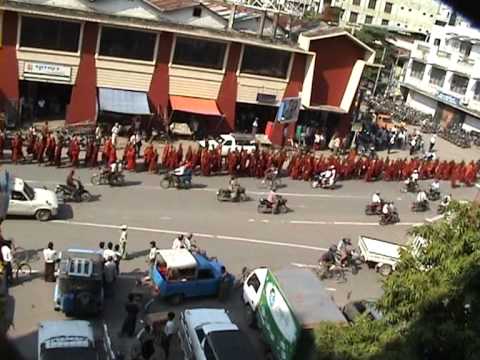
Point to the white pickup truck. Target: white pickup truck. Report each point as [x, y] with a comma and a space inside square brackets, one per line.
[28, 201]
[384, 255]
[209, 334]
[231, 142]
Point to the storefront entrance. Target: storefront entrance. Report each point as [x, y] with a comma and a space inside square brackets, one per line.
[246, 114]
[43, 101]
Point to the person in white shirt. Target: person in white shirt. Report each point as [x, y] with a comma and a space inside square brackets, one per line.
[7, 257]
[178, 243]
[50, 257]
[169, 330]
[108, 252]
[109, 275]
[376, 199]
[98, 133]
[421, 197]
[433, 139]
[152, 255]
[123, 241]
[186, 242]
[435, 186]
[115, 132]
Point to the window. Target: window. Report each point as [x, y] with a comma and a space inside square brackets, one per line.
[424, 14]
[204, 274]
[353, 17]
[388, 7]
[49, 34]
[356, 2]
[402, 8]
[18, 196]
[418, 70]
[384, 22]
[200, 334]
[265, 62]
[437, 42]
[372, 4]
[465, 48]
[207, 350]
[437, 76]
[253, 280]
[127, 44]
[459, 84]
[199, 52]
[410, 10]
[368, 19]
[197, 11]
[476, 90]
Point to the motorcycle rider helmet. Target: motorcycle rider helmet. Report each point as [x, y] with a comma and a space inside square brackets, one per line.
[347, 241]
[333, 248]
[124, 227]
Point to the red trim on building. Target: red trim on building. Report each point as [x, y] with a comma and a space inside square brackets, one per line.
[227, 96]
[293, 89]
[9, 87]
[159, 86]
[83, 102]
[333, 67]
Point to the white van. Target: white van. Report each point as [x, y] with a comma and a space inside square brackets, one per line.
[28, 201]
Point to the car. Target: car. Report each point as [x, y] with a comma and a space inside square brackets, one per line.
[72, 340]
[231, 142]
[186, 274]
[354, 309]
[27, 201]
[210, 334]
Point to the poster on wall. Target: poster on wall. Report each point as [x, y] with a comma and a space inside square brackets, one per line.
[288, 110]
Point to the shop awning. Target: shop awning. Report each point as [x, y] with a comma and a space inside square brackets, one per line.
[123, 101]
[195, 106]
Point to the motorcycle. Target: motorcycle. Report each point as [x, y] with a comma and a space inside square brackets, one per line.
[266, 207]
[411, 187]
[178, 181]
[374, 208]
[393, 218]
[420, 206]
[103, 178]
[441, 209]
[226, 195]
[433, 195]
[68, 194]
[322, 182]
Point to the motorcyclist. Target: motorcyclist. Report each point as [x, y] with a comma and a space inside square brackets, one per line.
[446, 200]
[116, 168]
[411, 182]
[184, 172]
[234, 187]
[435, 187]
[376, 200]
[421, 199]
[270, 175]
[328, 258]
[272, 198]
[328, 176]
[387, 212]
[344, 250]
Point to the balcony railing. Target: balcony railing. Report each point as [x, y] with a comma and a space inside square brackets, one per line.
[466, 60]
[443, 54]
[423, 47]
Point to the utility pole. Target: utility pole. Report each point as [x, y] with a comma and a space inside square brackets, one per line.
[379, 70]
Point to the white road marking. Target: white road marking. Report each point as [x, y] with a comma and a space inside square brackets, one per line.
[251, 220]
[176, 232]
[330, 289]
[309, 266]
[265, 221]
[350, 223]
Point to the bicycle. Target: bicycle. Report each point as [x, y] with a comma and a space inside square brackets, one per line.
[335, 271]
[21, 264]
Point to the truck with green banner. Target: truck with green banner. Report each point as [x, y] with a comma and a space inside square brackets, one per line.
[287, 305]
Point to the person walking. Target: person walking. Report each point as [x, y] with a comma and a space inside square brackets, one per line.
[132, 309]
[7, 258]
[255, 127]
[117, 257]
[108, 252]
[433, 140]
[50, 257]
[169, 330]
[109, 275]
[123, 241]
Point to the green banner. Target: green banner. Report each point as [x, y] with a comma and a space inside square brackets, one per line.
[280, 327]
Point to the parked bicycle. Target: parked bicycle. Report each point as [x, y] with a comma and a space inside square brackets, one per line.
[21, 264]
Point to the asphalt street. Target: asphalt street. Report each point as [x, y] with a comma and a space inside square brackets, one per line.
[234, 232]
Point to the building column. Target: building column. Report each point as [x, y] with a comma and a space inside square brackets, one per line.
[448, 81]
[83, 101]
[293, 89]
[9, 86]
[227, 96]
[159, 86]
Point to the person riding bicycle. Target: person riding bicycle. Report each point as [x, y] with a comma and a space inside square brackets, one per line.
[328, 258]
[116, 168]
[344, 249]
[387, 211]
[376, 200]
[327, 177]
[272, 198]
[270, 175]
[446, 200]
[72, 182]
[422, 198]
[435, 187]
[411, 182]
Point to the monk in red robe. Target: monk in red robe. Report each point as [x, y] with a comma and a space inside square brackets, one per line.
[112, 156]
[131, 159]
[153, 164]
[75, 151]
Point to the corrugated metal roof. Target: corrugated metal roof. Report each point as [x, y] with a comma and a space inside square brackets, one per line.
[170, 5]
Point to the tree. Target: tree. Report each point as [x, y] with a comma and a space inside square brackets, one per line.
[431, 304]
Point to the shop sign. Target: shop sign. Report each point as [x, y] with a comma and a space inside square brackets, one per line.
[448, 98]
[266, 98]
[47, 69]
[288, 110]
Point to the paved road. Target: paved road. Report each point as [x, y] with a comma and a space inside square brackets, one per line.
[233, 232]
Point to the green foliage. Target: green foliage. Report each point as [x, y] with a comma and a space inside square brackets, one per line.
[431, 304]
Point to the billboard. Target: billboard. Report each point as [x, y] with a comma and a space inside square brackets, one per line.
[288, 110]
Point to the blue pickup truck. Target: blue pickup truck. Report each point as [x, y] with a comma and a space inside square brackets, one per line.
[179, 274]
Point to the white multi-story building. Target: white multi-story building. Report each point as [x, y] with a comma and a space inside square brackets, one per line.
[407, 15]
[442, 77]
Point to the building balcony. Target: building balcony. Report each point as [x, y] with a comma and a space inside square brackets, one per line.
[423, 47]
[444, 54]
[465, 60]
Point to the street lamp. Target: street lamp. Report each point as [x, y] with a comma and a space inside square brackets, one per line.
[379, 43]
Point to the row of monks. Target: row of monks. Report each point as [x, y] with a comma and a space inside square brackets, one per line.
[45, 148]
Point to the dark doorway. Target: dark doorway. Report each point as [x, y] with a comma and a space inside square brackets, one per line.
[246, 114]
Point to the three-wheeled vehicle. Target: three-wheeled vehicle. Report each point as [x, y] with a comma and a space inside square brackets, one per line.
[79, 287]
[179, 274]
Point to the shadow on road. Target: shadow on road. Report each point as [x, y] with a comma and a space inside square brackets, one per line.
[65, 212]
